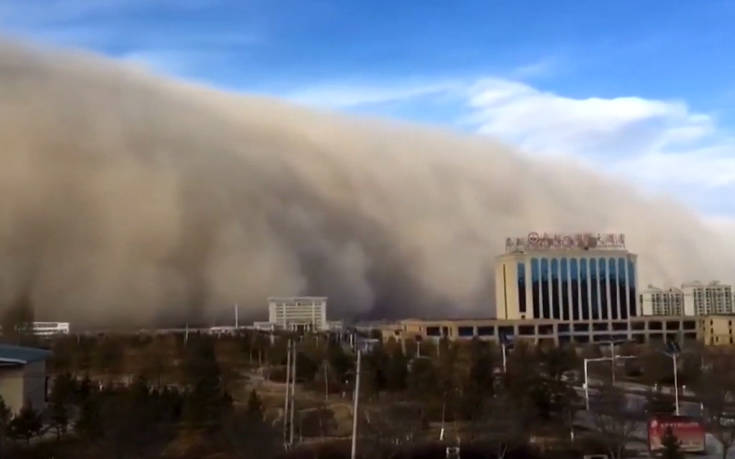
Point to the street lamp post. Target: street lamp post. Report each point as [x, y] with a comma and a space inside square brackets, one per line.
[673, 351]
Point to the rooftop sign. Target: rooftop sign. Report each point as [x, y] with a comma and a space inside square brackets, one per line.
[556, 241]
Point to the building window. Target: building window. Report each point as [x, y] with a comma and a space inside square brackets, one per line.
[631, 289]
[465, 331]
[574, 281]
[545, 288]
[485, 331]
[526, 330]
[613, 288]
[432, 331]
[603, 288]
[555, 288]
[535, 287]
[521, 270]
[622, 297]
[584, 300]
[594, 304]
[564, 288]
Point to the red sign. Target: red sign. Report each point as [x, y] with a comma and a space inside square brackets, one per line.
[688, 431]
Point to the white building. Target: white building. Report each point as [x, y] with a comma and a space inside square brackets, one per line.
[707, 299]
[662, 302]
[298, 313]
[23, 377]
[50, 328]
[569, 277]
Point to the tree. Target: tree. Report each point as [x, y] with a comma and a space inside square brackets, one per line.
[89, 423]
[26, 425]
[715, 390]
[672, 449]
[614, 425]
[61, 395]
[207, 400]
[4, 422]
[255, 406]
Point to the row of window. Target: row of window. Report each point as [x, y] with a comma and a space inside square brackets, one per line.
[574, 289]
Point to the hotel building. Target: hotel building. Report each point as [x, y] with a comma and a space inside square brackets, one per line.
[568, 277]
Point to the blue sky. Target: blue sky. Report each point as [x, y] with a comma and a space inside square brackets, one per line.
[643, 90]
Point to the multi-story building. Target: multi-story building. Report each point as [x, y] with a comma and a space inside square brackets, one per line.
[716, 330]
[643, 329]
[707, 299]
[567, 277]
[298, 313]
[662, 302]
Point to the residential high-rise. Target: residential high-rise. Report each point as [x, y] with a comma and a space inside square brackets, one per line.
[569, 277]
[662, 302]
[706, 299]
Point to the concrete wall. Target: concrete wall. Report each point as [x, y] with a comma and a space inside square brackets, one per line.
[34, 388]
[22, 384]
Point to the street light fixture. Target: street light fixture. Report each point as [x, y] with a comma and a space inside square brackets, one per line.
[505, 344]
[673, 350]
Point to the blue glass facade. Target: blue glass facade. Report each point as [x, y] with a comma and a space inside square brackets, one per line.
[585, 288]
[621, 287]
[521, 287]
[603, 287]
[535, 287]
[545, 288]
[584, 302]
[594, 291]
[574, 276]
[555, 300]
[612, 269]
[631, 288]
[564, 288]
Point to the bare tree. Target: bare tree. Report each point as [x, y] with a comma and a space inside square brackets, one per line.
[614, 424]
[715, 391]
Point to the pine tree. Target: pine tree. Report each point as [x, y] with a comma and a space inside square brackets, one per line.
[255, 406]
[60, 396]
[671, 450]
[26, 424]
[5, 416]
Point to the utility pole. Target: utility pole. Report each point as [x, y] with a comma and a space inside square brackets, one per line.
[612, 360]
[286, 398]
[326, 382]
[293, 390]
[186, 334]
[674, 350]
[354, 409]
[237, 322]
[676, 383]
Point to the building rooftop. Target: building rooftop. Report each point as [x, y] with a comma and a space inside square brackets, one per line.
[20, 355]
[565, 241]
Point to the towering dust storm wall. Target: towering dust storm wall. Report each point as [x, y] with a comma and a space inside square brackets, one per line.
[130, 199]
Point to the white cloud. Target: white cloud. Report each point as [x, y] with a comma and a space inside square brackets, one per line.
[345, 96]
[662, 146]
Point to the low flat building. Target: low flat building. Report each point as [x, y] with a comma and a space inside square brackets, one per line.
[23, 377]
[547, 331]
